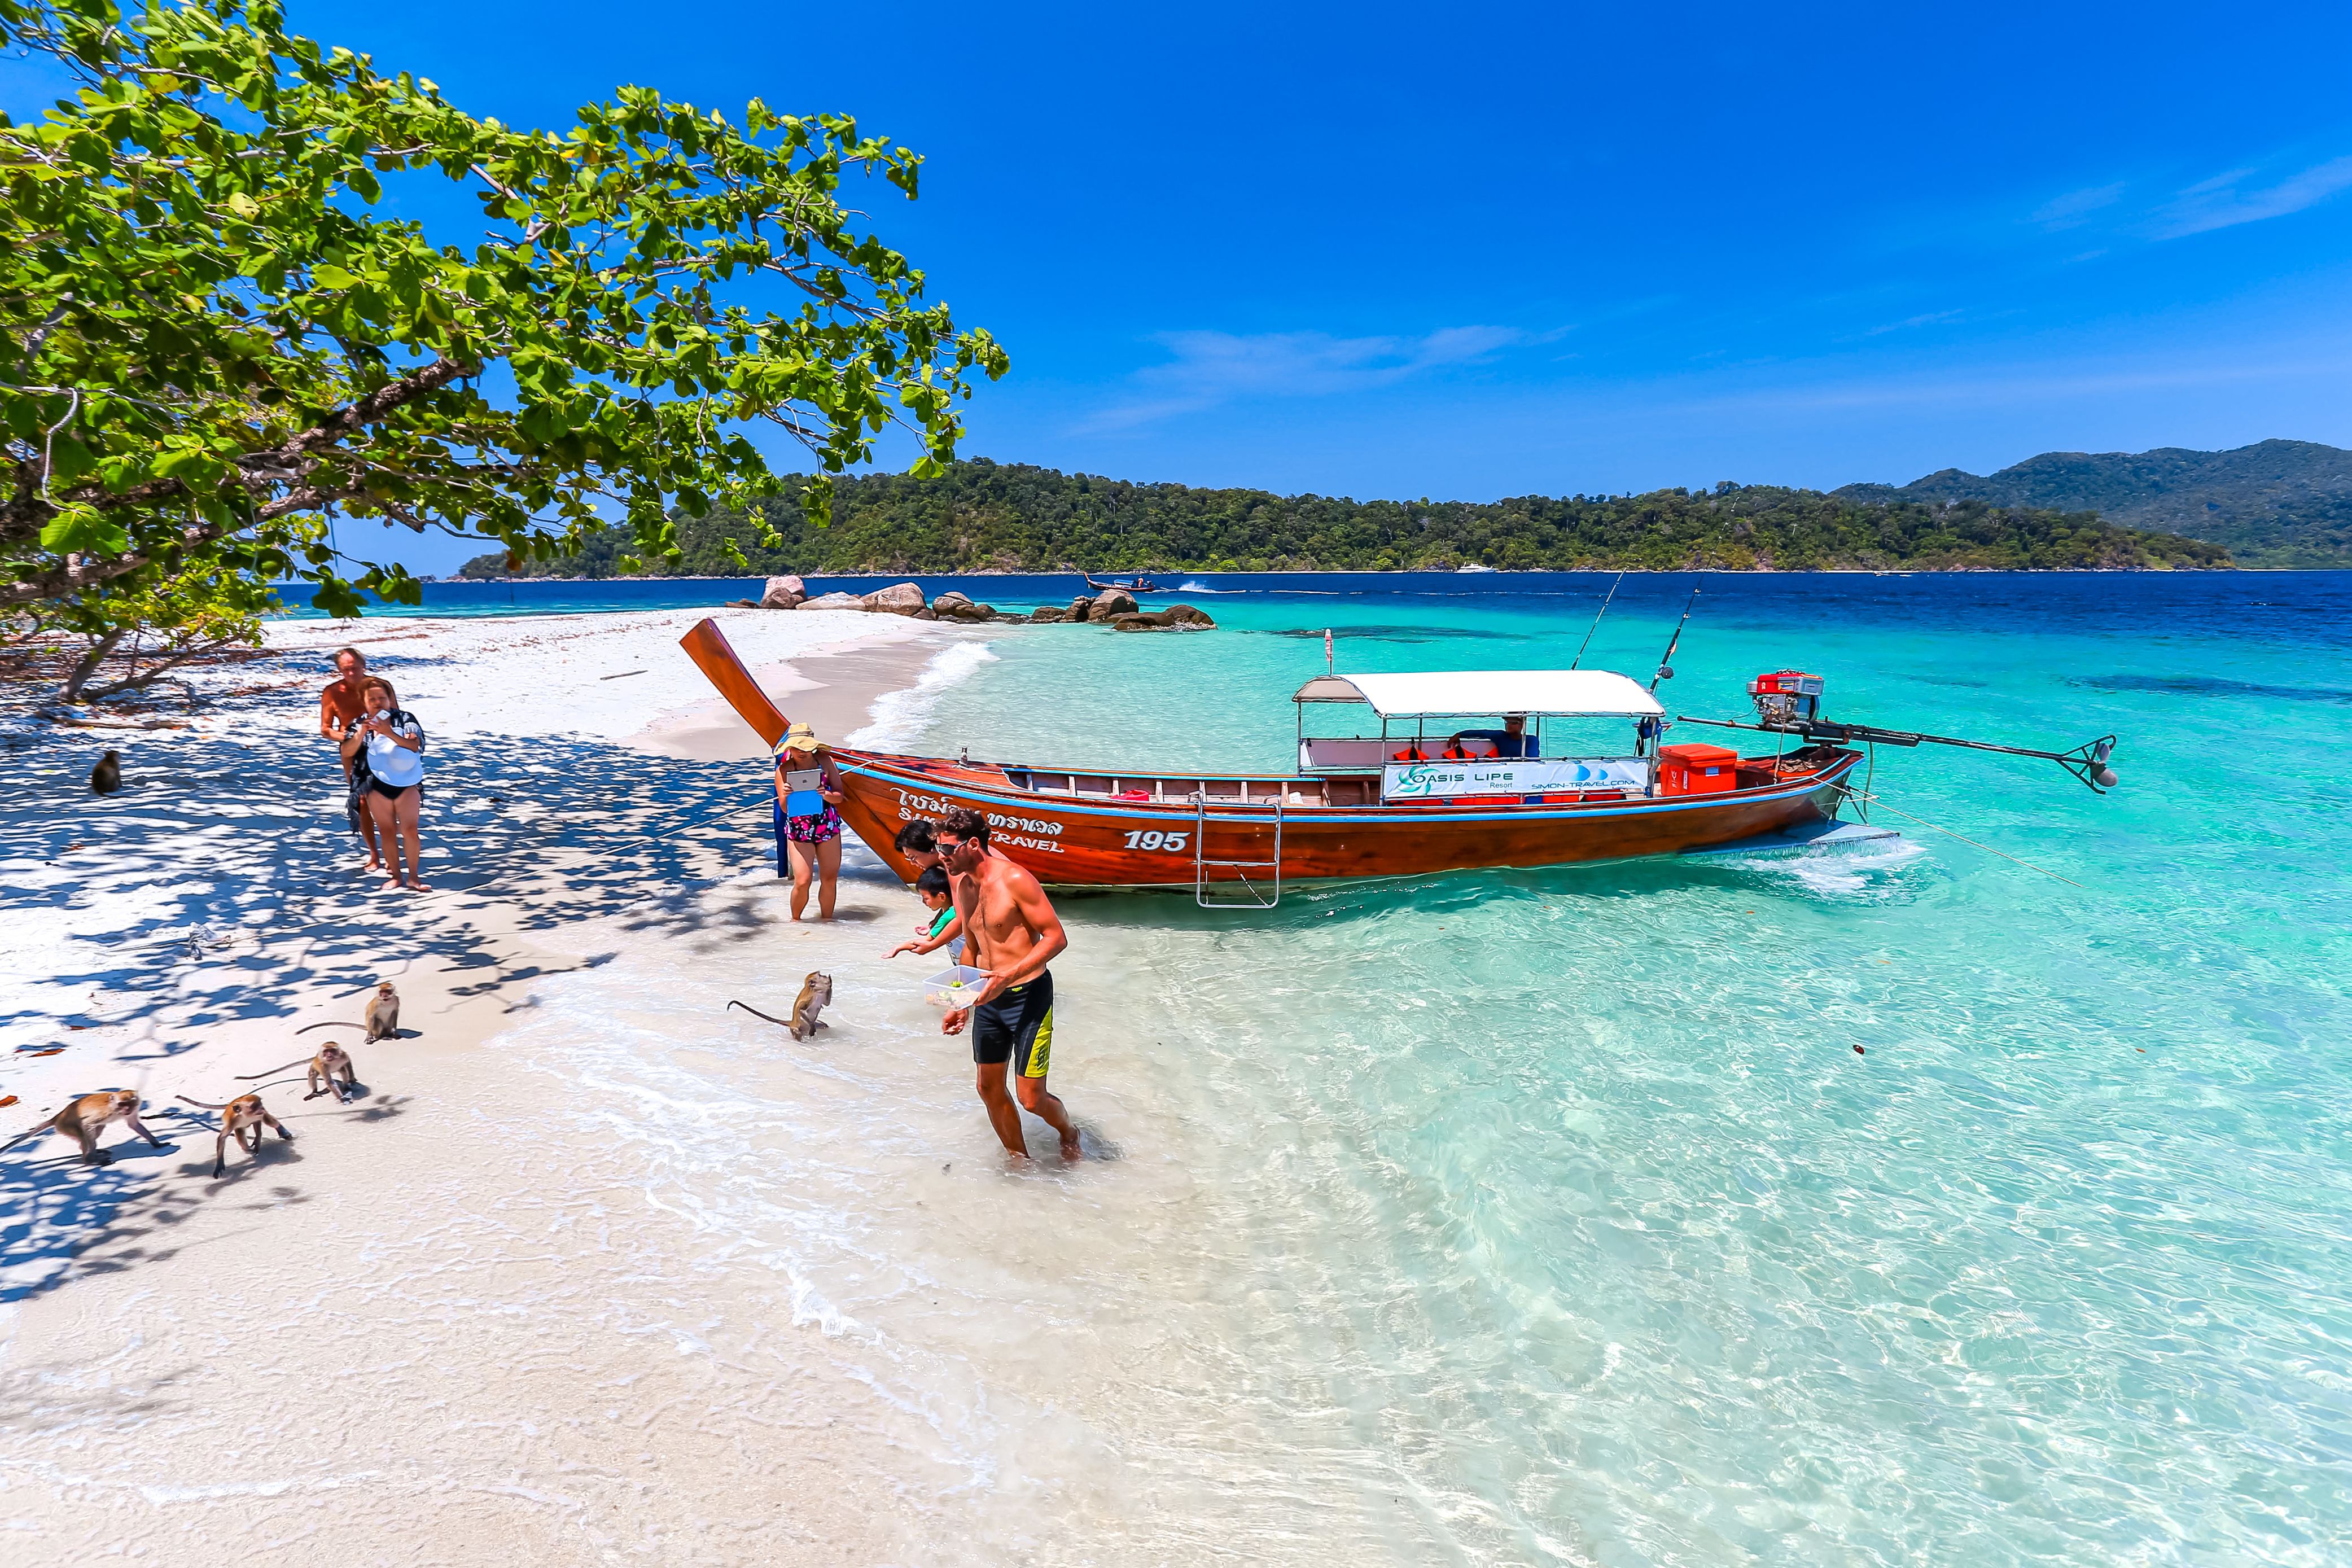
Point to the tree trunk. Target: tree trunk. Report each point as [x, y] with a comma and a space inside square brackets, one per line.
[79, 677]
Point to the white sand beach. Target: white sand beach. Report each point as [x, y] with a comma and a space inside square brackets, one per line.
[453, 1322]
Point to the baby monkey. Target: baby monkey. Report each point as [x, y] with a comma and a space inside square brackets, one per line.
[238, 1117]
[331, 1063]
[84, 1119]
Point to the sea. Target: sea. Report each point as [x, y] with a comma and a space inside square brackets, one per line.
[1978, 1195]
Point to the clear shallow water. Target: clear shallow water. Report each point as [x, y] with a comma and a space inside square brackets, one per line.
[1553, 1217]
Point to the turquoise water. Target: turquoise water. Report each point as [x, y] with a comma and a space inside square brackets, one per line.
[1556, 1216]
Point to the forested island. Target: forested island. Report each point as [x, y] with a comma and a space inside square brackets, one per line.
[982, 516]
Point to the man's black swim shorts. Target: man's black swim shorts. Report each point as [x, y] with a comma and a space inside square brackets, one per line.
[1016, 1024]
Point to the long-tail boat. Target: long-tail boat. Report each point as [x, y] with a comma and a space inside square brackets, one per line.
[1411, 800]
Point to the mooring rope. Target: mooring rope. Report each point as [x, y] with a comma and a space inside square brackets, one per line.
[1880, 800]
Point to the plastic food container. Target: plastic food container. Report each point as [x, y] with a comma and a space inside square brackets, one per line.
[954, 989]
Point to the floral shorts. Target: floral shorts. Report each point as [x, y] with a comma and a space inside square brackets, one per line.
[815, 829]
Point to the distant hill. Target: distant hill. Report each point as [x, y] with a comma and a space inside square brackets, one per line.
[2274, 503]
[981, 516]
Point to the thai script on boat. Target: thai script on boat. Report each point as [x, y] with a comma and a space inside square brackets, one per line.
[931, 808]
[1024, 824]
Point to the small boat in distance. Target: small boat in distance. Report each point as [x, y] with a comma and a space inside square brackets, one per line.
[1136, 585]
[1414, 798]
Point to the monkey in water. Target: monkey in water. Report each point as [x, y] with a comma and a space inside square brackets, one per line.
[382, 1015]
[84, 1119]
[331, 1063]
[238, 1117]
[816, 995]
[107, 776]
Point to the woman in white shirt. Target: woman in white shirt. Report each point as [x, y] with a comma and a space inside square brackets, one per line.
[393, 744]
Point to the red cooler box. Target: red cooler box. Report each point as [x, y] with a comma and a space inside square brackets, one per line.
[1698, 769]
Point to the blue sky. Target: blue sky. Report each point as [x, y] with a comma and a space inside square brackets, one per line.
[1472, 252]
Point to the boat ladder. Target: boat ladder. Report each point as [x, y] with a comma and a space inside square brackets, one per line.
[1258, 897]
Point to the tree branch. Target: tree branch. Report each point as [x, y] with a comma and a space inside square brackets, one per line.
[78, 573]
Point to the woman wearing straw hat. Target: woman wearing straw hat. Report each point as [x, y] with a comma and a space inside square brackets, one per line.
[808, 826]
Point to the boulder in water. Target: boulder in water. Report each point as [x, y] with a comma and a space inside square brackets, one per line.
[782, 594]
[1112, 601]
[1079, 606]
[1174, 618]
[1046, 615]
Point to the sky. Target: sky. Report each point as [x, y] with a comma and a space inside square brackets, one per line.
[1472, 252]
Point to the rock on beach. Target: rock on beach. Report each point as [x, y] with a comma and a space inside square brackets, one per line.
[782, 594]
[898, 599]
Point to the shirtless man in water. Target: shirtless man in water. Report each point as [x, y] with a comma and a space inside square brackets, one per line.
[1015, 934]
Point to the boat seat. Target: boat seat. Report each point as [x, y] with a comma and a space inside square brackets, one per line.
[1317, 755]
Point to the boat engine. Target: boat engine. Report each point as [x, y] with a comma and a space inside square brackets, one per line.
[1786, 697]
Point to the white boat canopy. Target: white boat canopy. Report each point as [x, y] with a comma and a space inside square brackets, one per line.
[1563, 693]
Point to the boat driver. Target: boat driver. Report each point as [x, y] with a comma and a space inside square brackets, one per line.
[1512, 741]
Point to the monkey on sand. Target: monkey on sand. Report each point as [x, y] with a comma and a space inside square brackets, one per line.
[107, 776]
[84, 1119]
[238, 1117]
[331, 1063]
[383, 1017]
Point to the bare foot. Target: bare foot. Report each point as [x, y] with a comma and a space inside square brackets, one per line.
[420, 887]
[391, 887]
[374, 864]
[1070, 1145]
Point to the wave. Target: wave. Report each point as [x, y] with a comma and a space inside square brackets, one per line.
[1204, 588]
[899, 716]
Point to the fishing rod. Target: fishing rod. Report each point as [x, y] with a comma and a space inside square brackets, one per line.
[1596, 622]
[2087, 762]
[1666, 659]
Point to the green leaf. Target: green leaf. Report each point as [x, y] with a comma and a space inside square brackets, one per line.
[84, 529]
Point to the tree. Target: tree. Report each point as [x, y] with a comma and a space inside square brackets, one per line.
[215, 341]
[153, 624]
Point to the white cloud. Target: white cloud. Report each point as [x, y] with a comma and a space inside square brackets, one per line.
[2223, 201]
[1209, 368]
[2077, 206]
[1933, 317]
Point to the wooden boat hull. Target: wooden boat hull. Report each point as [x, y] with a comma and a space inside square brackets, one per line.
[1094, 842]
[1076, 839]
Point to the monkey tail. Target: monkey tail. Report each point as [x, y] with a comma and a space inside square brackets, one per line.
[250, 1077]
[27, 1132]
[201, 1104]
[330, 1024]
[757, 1014]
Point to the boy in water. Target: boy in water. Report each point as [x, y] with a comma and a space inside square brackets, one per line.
[946, 927]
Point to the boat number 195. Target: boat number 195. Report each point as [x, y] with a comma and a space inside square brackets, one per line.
[1177, 842]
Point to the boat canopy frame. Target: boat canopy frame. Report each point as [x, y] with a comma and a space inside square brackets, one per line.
[1417, 697]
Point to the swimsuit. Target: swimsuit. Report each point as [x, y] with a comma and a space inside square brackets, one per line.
[389, 792]
[1018, 1026]
[817, 826]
